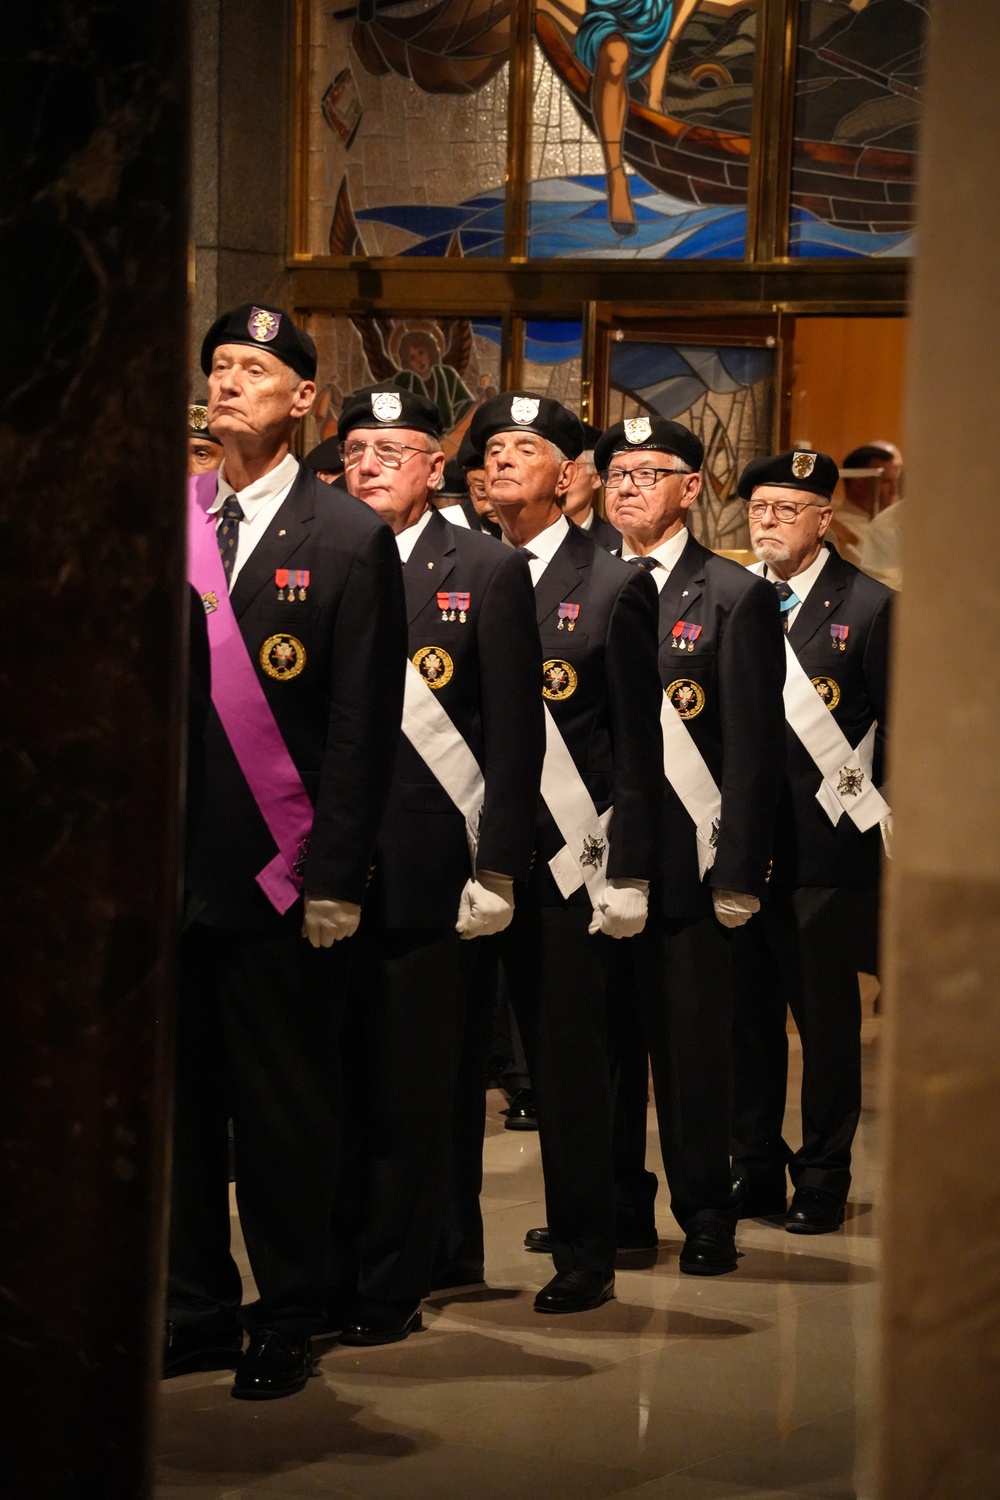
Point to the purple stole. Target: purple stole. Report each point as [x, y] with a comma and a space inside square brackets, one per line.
[246, 716]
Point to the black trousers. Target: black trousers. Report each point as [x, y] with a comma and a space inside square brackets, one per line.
[801, 951]
[557, 974]
[628, 1059]
[684, 975]
[402, 1045]
[258, 1022]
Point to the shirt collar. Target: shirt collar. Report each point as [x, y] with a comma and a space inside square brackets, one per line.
[547, 543]
[588, 523]
[261, 492]
[802, 582]
[667, 553]
[408, 539]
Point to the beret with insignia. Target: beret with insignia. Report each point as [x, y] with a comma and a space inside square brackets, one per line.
[469, 455]
[198, 423]
[269, 328]
[325, 458]
[524, 411]
[798, 469]
[655, 433]
[453, 485]
[869, 456]
[389, 406]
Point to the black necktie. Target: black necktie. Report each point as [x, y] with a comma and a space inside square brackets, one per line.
[227, 532]
[789, 598]
[525, 553]
[647, 564]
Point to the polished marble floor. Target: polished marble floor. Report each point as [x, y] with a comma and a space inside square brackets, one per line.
[758, 1384]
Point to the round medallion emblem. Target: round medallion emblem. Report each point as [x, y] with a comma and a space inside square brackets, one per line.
[687, 697]
[828, 690]
[434, 665]
[559, 680]
[282, 657]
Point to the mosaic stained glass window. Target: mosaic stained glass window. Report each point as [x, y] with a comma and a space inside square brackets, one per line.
[641, 128]
[407, 136]
[858, 87]
[725, 394]
[452, 360]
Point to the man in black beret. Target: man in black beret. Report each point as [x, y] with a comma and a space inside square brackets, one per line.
[204, 449]
[816, 926]
[303, 603]
[721, 666]
[597, 832]
[585, 492]
[326, 462]
[457, 834]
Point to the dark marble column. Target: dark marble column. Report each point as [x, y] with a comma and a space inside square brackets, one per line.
[93, 244]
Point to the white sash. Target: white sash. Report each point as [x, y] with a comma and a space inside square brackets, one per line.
[583, 858]
[847, 784]
[684, 767]
[436, 740]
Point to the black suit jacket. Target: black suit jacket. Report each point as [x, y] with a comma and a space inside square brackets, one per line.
[492, 698]
[738, 662]
[478, 522]
[808, 849]
[603, 533]
[339, 716]
[610, 721]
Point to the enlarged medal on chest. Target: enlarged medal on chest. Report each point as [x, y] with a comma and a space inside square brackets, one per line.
[828, 689]
[559, 680]
[687, 697]
[434, 665]
[282, 657]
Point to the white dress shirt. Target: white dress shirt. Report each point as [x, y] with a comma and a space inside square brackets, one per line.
[667, 555]
[408, 539]
[260, 501]
[544, 547]
[801, 584]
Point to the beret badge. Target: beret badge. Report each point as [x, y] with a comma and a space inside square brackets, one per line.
[803, 465]
[263, 325]
[524, 408]
[637, 429]
[386, 405]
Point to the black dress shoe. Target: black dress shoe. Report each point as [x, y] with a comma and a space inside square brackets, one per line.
[375, 1323]
[521, 1113]
[575, 1291]
[630, 1234]
[759, 1198]
[814, 1211]
[539, 1239]
[709, 1249]
[213, 1343]
[275, 1364]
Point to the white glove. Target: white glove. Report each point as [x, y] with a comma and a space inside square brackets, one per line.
[733, 909]
[486, 905]
[326, 922]
[623, 908]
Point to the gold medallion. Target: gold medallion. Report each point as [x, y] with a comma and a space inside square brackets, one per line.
[828, 690]
[687, 697]
[803, 465]
[434, 665]
[559, 680]
[282, 657]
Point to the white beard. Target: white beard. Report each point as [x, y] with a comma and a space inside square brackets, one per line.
[771, 549]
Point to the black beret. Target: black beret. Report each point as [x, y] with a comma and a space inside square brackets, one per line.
[453, 485]
[269, 328]
[653, 432]
[869, 456]
[325, 457]
[198, 423]
[524, 411]
[797, 469]
[389, 406]
[469, 455]
[591, 437]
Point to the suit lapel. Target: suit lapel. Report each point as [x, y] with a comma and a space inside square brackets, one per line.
[289, 528]
[683, 587]
[825, 596]
[428, 566]
[564, 574]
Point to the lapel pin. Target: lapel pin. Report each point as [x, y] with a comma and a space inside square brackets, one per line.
[282, 532]
[685, 594]
[430, 565]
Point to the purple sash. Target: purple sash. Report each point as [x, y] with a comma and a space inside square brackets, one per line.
[246, 716]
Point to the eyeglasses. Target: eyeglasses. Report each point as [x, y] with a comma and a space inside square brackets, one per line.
[643, 479]
[784, 510]
[390, 455]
